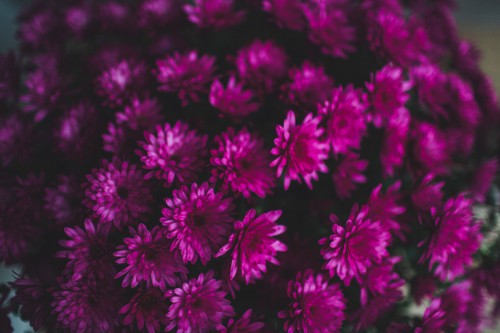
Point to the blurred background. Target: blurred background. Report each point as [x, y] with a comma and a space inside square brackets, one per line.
[478, 21]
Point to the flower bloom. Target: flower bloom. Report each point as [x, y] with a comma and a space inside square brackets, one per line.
[244, 324]
[198, 219]
[173, 153]
[187, 74]
[215, 14]
[64, 202]
[199, 305]
[349, 173]
[233, 101]
[356, 246]
[345, 118]
[242, 164]
[147, 308]
[299, 150]
[140, 114]
[386, 207]
[430, 148]
[148, 258]
[117, 193]
[287, 13]
[252, 245]
[316, 306]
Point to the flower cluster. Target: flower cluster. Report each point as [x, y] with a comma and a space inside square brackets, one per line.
[299, 166]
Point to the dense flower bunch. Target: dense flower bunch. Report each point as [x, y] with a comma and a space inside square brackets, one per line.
[300, 166]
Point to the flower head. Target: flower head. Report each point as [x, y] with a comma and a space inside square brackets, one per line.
[300, 150]
[173, 153]
[431, 150]
[199, 305]
[141, 114]
[158, 13]
[148, 258]
[428, 194]
[244, 324]
[287, 13]
[215, 14]
[233, 101]
[252, 245]
[348, 173]
[242, 164]
[64, 202]
[386, 207]
[147, 309]
[198, 219]
[355, 246]
[316, 305]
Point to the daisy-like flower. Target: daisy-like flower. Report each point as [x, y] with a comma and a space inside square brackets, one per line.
[87, 306]
[253, 244]
[431, 150]
[64, 202]
[348, 173]
[186, 74]
[316, 305]
[329, 26]
[215, 14]
[141, 114]
[356, 246]
[120, 81]
[87, 250]
[384, 206]
[345, 118]
[242, 164]
[244, 324]
[233, 101]
[309, 86]
[299, 150]
[148, 258]
[287, 13]
[388, 92]
[455, 238]
[198, 219]
[199, 305]
[173, 153]
[118, 194]
[262, 65]
[147, 309]
[428, 193]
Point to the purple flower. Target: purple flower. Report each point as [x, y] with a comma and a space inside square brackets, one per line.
[309, 86]
[147, 309]
[428, 194]
[242, 164]
[16, 137]
[87, 306]
[348, 173]
[64, 202]
[244, 324]
[148, 258]
[287, 13]
[387, 94]
[117, 193]
[395, 139]
[38, 27]
[234, 101]
[455, 238]
[199, 305]
[187, 74]
[252, 245]
[430, 149]
[141, 114]
[386, 207]
[120, 81]
[353, 248]
[78, 18]
[173, 153]
[198, 219]
[329, 26]
[88, 251]
[300, 150]
[345, 118]
[316, 306]
[215, 14]
[262, 65]
[157, 13]
[483, 178]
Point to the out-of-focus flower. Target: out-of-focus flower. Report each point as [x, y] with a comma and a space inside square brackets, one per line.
[348, 173]
[233, 101]
[147, 309]
[215, 14]
[244, 324]
[287, 13]
[394, 146]
[63, 203]
[430, 149]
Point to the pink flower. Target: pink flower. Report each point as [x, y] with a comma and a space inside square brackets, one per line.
[141, 114]
[316, 306]
[198, 219]
[173, 153]
[356, 246]
[244, 324]
[242, 164]
[147, 309]
[233, 101]
[287, 13]
[348, 173]
[199, 305]
[215, 14]
[430, 149]
[299, 150]
[252, 245]
[428, 194]
[386, 207]
[394, 146]
[345, 118]
[148, 258]
[187, 74]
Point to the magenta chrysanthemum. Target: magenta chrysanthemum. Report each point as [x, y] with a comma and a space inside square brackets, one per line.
[346, 121]
[252, 245]
[140, 114]
[148, 258]
[386, 208]
[117, 193]
[215, 14]
[244, 324]
[300, 150]
[427, 194]
[316, 305]
[356, 246]
[147, 310]
[199, 305]
[64, 202]
[186, 74]
[242, 164]
[430, 148]
[198, 219]
[348, 173]
[233, 101]
[173, 153]
[287, 13]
